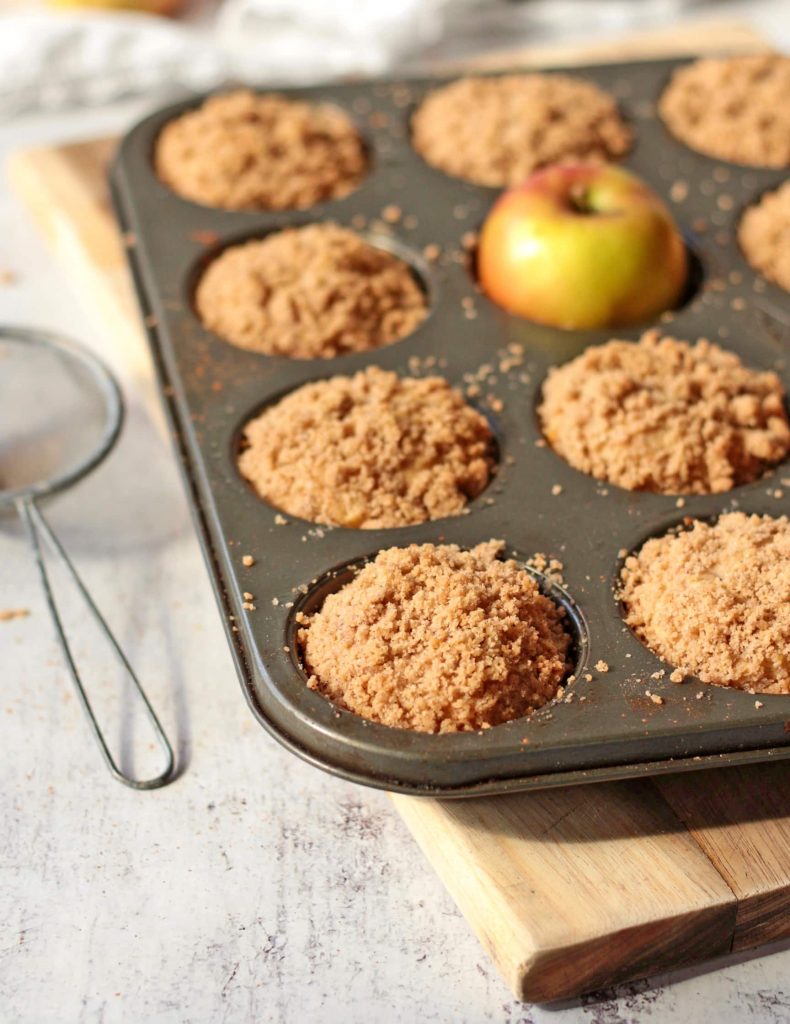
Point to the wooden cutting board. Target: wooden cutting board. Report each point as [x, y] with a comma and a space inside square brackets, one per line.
[572, 889]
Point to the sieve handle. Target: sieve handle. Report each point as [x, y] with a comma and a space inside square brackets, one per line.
[37, 527]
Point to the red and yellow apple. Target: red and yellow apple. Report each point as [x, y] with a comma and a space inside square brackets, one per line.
[582, 246]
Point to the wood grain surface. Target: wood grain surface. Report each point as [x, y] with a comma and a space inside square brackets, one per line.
[568, 890]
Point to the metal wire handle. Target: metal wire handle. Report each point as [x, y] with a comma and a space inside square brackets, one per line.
[36, 527]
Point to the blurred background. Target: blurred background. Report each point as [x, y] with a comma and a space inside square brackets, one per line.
[66, 54]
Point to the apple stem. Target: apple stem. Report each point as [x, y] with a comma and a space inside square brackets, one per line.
[579, 199]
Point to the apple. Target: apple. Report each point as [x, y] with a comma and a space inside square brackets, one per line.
[582, 246]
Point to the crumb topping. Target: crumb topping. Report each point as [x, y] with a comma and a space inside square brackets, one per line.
[715, 601]
[496, 131]
[764, 235]
[733, 108]
[664, 415]
[369, 451]
[436, 639]
[242, 150]
[312, 292]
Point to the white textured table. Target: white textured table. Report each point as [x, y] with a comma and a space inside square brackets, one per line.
[254, 888]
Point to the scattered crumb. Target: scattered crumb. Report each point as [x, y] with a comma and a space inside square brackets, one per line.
[280, 520]
[437, 639]
[556, 489]
[601, 666]
[204, 237]
[247, 560]
[391, 214]
[248, 606]
[759, 704]
[247, 596]
[9, 614]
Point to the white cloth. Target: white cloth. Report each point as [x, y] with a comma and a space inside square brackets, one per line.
[56, 59]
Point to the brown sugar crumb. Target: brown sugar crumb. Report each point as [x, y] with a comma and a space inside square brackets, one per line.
[496, 131]
[204, 237]
[733, 108]
[436, 639]
[764, 235]
[391, 214]
[664, 415]
[9, 614]
[312, 292]
[242, 150]
[714, 600]
[247, 560]
[369, 451]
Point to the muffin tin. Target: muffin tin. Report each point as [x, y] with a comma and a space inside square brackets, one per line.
[536, 503]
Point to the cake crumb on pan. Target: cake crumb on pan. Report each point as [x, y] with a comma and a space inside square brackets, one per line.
[9, 614]
[437, 639]
[714, 600]
[311, 292]
[666, 416]
[495, 131]
[764, 235]
[733, 108]
[369, 451]
[241, 150]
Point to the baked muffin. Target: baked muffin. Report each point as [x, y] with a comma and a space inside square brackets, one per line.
[732, 108]
[310, 293]
[764, 236]
[496, 131]
[436, 639]
[243, 150]
[664, 415]
[737, 568]
[369, 451]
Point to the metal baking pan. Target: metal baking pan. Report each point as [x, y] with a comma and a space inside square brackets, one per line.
[211, 388]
